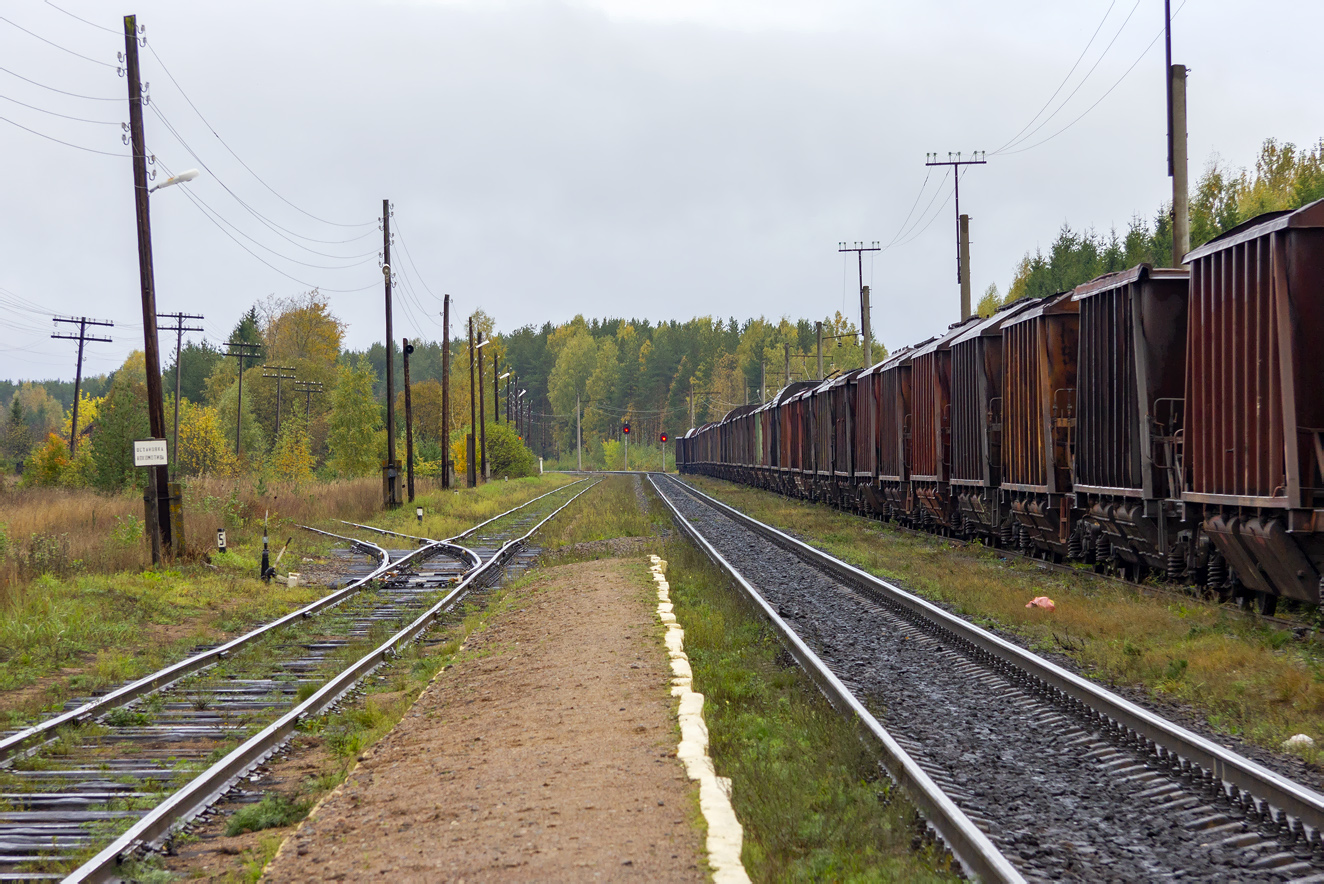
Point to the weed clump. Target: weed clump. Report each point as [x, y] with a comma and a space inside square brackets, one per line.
[272, 812]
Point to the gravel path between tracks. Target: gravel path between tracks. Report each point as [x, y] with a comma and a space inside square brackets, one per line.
[1006, 758]
[547, 753]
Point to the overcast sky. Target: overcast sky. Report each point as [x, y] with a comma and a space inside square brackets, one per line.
[604, 157]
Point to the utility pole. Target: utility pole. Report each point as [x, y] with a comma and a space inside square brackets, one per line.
[786, 349]
[763, 381]
[160, 475]
[408, 348]
[579, 439]
[818, 333]
[278, 372]
[392, 474]
[82, 337]
[496, 388]
[470, 451]
[1177, 158]
[692, 405]
[178, 328]
[241, 351]
[482, 405]
[308, 388]
[962, 222]
[446, 390]
[859, 249]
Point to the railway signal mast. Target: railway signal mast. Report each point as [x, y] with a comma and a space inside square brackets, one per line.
[625, 434]
[859, 249]
[962, 221]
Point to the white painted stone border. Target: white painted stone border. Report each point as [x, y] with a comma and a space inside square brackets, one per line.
[725, 834]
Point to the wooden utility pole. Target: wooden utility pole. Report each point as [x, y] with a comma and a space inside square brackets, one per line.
[178, 328]
[241, 351]
[786, 349]
[392, 478]
[859, 249]
[308, 388]
[579, 439]
[446, 390]
[158, 504]
[82, 337]
[962, 238]
[278, 372]
[482, 414]
[471, 451]
[408, 348]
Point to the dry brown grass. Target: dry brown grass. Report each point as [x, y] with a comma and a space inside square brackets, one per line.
[1246, 678]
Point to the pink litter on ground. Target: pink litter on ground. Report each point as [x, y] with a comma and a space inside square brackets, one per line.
[1042, 601]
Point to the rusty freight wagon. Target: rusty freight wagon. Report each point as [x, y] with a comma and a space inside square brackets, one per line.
[864, 441]
[1129, 388]
[1038, 417]
[976, 471]
[893, 380]
[1254, 425]
[930, 437]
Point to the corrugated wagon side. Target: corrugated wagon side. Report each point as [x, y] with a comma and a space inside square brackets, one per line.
[1129, 389]
[931, 386]
[894, 416]
[976, 472]
[1254, 435]
[1039, 401]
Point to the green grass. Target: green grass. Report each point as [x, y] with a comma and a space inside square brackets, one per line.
[805, 785]
[1247, 679]
[66, 637]
[272, 812]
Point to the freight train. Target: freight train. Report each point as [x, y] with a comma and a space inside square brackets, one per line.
[1150, 421]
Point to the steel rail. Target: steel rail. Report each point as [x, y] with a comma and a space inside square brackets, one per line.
[19, 742]
[480, 525]
[972, 848]
[453, 550]
[211, 784]
[14, 744]
[1182, 747]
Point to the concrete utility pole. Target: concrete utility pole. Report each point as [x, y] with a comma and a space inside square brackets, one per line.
[962, 222]
[158, 487]
[178, 328]
[392, 479]
[278, 372]
[818, 333]
[446, 390]
[470, 450]
[82, 337]
[859, 249]
[241, 351]
[1177, 158]
[408, 348]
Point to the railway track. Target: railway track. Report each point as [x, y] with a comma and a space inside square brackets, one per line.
[120, 773]
[1025, 770]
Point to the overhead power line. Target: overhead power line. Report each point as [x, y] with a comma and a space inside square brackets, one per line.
[83, 20]
[60, 91]
[62, 141]
[1079, 58]
[262, 181]
[56, 45]
[61, 116]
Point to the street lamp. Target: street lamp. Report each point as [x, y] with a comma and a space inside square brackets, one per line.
[187, 175]
[496, 398]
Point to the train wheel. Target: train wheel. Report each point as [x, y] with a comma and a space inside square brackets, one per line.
[1266, 603]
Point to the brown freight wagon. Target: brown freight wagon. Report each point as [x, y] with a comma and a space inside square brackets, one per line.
[930, 438]
[976, 472]
[1129, 388]
[894, 433]
[864, 441]
[1038, 408]
[1254, 433]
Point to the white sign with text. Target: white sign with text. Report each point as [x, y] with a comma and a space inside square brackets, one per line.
[150, 453]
